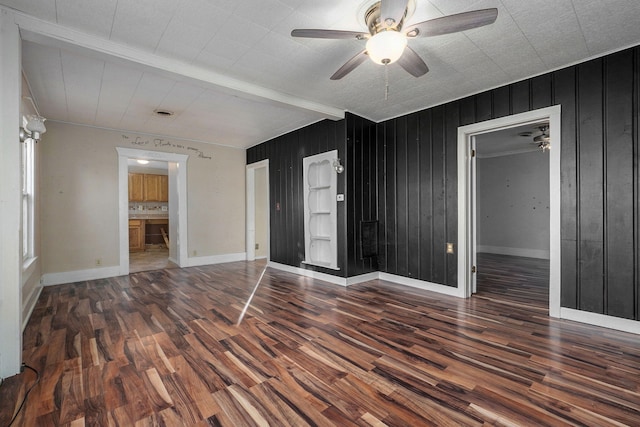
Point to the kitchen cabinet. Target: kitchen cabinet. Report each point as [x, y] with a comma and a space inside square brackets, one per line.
[148, 188]
[136, 187]
[136, 235]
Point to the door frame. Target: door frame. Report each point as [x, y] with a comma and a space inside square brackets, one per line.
[251, 210]
[466, 219]
[177, 205]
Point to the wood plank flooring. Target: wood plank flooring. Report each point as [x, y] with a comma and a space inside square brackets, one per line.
[162, 348]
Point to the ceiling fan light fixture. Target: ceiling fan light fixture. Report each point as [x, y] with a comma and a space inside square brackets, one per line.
[386, 47]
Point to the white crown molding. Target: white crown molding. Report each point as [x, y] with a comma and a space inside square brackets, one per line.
[50, 34]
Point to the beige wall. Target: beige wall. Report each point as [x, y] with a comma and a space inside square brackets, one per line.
[31, 275]
[79, 202]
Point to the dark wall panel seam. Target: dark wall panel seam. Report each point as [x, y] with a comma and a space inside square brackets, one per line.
[636, 181]
[578, 219]
[605, 202]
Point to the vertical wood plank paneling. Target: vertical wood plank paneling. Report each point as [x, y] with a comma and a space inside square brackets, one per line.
[402, 201]
[452, 114]
[591, 249]
[565, 95]
[382, 196]
[520, 97]
[541, 91]
[413, 197]
[619, 188]
[392, 203]
[501, 104]
[408, 182]
[467, 111]
[439, 196]
[484, 107]
[636, 179]
[426, 195]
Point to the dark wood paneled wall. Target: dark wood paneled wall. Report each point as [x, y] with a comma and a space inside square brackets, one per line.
[362, 189]
[286, 190]
[414, 181]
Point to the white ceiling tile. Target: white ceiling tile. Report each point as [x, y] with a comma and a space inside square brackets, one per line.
[605, 25]
[141, 23]
[91, 17]
[43, 67]
[82, 81]
[43, 9]
[268, 15]
[250, 41]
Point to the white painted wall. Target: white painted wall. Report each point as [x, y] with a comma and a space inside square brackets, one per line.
[513, 204]
[80, 196]
[10, 199]
[261, 217]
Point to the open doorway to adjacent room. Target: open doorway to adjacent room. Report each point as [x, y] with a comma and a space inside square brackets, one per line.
[509, 209]
[257, 222]
[512, 215]
[148, 215]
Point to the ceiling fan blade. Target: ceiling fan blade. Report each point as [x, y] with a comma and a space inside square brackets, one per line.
[350, 65]
[452, 23]
[329, 34]
[412, 63]
[392, 10]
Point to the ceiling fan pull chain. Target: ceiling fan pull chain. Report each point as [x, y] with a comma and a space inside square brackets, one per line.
[386, 82]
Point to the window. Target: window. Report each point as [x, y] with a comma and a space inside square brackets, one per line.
[28, 199]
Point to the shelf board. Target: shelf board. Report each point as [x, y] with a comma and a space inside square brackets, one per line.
[325, 238]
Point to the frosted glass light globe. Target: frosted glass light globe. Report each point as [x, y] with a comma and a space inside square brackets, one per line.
[386, 47]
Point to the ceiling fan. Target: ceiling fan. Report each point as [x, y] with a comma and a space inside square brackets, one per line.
[542, 139]
[387, 37]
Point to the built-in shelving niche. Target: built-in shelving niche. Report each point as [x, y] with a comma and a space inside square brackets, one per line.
[320, 210]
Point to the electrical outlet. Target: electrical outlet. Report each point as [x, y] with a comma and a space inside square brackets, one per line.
[449, 248]
[257, 246]
[98, 261]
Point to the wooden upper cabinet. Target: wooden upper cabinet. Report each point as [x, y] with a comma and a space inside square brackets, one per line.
[155, 188]
[136, 187]
[148, 188]
[164, 188]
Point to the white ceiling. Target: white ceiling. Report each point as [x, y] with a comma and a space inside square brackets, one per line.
[515, 140]
[233, 75]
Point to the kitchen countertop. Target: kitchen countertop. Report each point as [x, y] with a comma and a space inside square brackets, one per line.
[149, 216]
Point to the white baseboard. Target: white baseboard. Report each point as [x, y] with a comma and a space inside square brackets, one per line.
[50, 279]
[421, 284]
[29, 304]
[596, 319]
[354, 280]
[341, 281]
[215, 259]
[521, 252]
[336, 280]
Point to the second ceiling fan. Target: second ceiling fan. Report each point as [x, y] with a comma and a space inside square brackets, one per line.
[387, 37]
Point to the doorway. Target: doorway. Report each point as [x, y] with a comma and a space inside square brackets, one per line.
[148, 215]
[257, 226]
[511, 215]
[176, 209]
[467, 227]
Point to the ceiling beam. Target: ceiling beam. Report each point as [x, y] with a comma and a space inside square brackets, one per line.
[50, 34]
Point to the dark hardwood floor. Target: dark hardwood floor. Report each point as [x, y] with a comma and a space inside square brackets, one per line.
[163, 348]
[513, 280]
